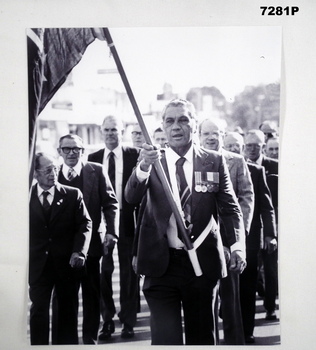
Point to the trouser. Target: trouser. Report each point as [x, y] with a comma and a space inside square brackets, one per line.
[90, 284]
[180, 288]
[270, 265]
[129, 283]
[66, 286]
[107, 303]
[248, 289]
[231, 309]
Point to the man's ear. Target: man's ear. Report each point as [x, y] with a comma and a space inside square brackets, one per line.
[59, 151]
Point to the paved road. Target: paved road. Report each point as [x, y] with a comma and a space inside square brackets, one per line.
[266, 332]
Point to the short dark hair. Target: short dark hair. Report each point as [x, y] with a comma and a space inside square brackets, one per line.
[71, 136]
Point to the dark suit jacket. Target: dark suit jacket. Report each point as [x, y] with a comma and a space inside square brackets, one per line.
[130, 157]
[68, 230]
[151, 238]
[264, 215]
[271, 169]
[98, 196]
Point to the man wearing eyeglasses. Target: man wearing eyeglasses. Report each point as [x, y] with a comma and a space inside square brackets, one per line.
[137, 136]
[119, 161]
[99, 198]
[60, 233]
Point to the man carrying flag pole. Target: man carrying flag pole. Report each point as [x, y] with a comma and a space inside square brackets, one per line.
[200, 182]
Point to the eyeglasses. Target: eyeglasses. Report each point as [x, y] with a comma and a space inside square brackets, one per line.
[137, 133]
[74, 150]
[47, 171]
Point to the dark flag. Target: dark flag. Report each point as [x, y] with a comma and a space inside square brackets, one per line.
[52, 54]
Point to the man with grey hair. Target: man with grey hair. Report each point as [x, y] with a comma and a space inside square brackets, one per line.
[211, 137]
[100, 199]
[262, 231]
[118, 161]
[255, 146]
[60, 234]
[200, 183]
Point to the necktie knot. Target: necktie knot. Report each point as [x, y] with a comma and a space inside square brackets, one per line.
[71, 174]
[180, 161]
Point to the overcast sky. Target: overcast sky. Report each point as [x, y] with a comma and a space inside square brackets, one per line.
[228, 58]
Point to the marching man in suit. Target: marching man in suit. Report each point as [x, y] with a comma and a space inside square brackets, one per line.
[262, 235]
[60, 233]
[202, 191]
[211, 134]
[99, 199]
[254, 152]
[118, 161]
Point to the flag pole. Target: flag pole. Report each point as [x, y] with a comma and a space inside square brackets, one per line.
[159, 169]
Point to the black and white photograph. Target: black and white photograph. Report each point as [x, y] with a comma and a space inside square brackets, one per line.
[142, 204]
[85, 110]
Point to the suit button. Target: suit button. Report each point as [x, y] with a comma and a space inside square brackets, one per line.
[49, 239]
[192, 237]
[46, 252]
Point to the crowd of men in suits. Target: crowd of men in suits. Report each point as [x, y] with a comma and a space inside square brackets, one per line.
[221, 188]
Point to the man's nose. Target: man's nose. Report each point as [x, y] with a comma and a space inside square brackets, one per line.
[176, 125]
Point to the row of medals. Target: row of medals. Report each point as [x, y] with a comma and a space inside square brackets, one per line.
[202, 186]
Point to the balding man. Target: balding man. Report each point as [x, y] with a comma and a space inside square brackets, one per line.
[211, 135]
[254, 151]
[263, 222]
[60, 234]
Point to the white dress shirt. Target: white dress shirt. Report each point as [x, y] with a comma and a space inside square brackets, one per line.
[77, 168]
[50, 196]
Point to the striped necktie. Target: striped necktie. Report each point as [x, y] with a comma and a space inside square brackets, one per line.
[71, 174]
[184, 190]
[111, 169]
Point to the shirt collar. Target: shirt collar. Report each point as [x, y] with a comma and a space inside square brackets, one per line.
[117, 152]
[173, 156]
[258, 161]
[77, 168]
[40, 190]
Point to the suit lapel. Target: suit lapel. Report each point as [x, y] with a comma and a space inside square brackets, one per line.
[88, 177]
[164, 165]
[59, 202]
[35, 204]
